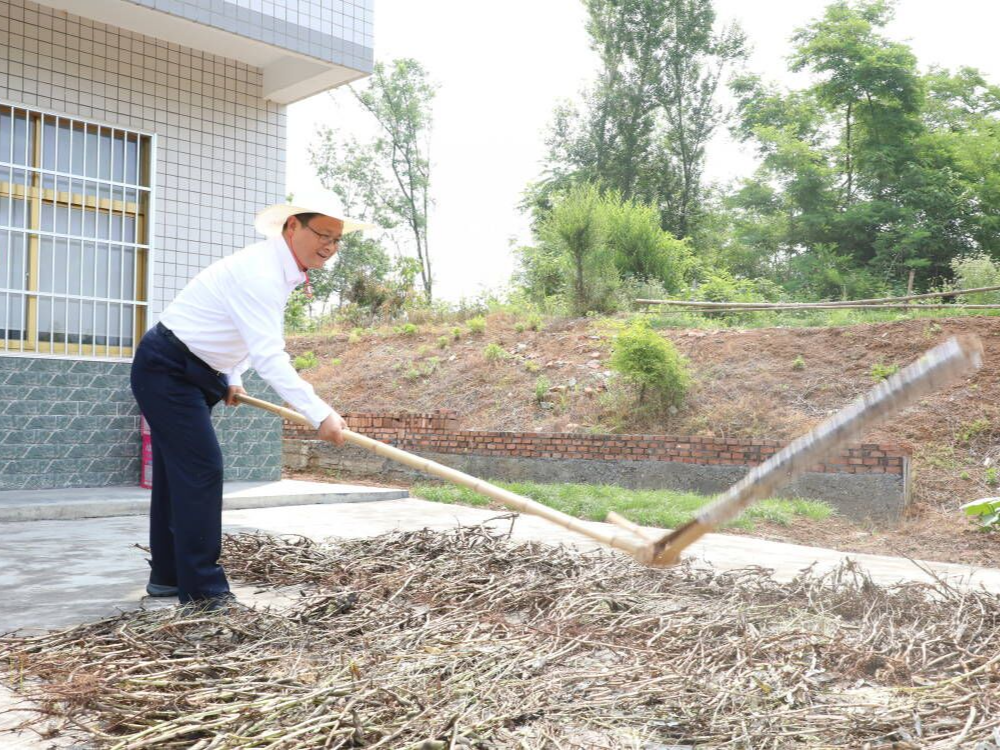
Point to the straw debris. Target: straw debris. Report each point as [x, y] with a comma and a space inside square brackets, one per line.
[465, 639]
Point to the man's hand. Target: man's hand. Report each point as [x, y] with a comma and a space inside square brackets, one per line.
[331, 429]
[231, 395]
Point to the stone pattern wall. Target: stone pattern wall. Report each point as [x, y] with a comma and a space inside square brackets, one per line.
[67, 423]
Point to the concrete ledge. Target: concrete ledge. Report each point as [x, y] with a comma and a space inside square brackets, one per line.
[101, 502]
[878, 498]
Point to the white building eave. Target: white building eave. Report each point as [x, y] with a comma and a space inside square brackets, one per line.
[288, 76]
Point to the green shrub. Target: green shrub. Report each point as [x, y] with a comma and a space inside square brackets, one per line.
[969, 432]
[880, 372]
[534, 322]
[532, 366]
[356, 335]
[985, 512]
[799, 363]
[495, 353]
[976, 271]
[443, 342]
[456, 333]
[642, 356]
[408, 329]
[305, 360]
[476, 324]
[991, 477]
[519, 326]
[542, 386]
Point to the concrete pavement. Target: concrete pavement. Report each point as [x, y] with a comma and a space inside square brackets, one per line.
[102, 502]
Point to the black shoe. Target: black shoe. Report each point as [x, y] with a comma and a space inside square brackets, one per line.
[222, 604]
[157, 589]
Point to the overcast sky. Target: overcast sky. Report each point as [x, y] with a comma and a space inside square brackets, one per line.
[501, 67]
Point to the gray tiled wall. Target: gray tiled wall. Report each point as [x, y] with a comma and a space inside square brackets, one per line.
[338, 31]
[75, 424]
[220, 157]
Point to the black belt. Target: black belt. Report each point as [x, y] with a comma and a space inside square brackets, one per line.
[172, 338]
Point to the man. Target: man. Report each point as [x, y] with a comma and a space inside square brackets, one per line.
[229, 317]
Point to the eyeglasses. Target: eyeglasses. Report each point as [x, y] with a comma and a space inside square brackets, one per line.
[327, 239]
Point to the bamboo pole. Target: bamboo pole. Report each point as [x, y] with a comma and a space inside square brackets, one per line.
[623, 540]
[939, 367]
[819, 306]
[925, 295]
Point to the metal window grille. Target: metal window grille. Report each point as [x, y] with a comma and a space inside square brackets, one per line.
[75, 206]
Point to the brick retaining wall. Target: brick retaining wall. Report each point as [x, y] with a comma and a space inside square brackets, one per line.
[437, 432]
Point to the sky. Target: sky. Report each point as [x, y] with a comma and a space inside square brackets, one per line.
[502, 67]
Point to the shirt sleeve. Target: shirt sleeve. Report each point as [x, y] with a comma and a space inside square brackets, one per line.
[256, 305]
[235, 376]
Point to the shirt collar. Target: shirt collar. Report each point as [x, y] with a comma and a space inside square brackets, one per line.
[291, 269]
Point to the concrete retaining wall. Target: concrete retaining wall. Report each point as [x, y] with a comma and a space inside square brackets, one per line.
[876, 497]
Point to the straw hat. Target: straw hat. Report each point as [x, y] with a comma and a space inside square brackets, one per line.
[270, 221]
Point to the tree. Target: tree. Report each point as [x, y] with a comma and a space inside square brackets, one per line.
[576, 228]
[642, 129]
[872, 171]
[389, 175]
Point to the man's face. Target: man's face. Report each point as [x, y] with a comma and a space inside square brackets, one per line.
[317, 240]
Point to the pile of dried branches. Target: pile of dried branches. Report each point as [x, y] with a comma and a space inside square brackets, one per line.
[467, 640]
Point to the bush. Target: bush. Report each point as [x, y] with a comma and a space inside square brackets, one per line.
[974, 271]
[305, 360]
[476, 324]
[443, 342]
[643, 357]
[881, 372]
[408, 329]
[495, 352]
[355, 335]
[542, 386]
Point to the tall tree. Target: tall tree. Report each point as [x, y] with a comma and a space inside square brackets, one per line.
[870, 172]
[641, 130]
[390, 175]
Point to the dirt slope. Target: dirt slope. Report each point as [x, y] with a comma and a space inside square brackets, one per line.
[772, 383]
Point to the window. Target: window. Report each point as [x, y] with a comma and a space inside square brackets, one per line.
[75, 203]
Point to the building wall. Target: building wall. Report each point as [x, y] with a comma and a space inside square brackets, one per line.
[219, 158]
[339, 31]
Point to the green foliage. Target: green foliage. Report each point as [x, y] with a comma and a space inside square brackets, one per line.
[969, 433]
[643, 357]
[880, 372]
[493, 352]
[869, 172]
[456, 332]
[305, 361]
[799, 363]
[975, 271]
[296, 313]
[534, 322]
[476, 325]
[443, 342]
[542, 386]
[408, 329]
[577, 226]
[991, 477]
[985, 512]
[532, 366]
[643, 127]
[389, 176]
[660, 508]
[356, 335]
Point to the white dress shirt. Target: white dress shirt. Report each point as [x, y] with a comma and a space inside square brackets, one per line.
[232, 314]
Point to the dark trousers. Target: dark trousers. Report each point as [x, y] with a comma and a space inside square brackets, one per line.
[176, 393]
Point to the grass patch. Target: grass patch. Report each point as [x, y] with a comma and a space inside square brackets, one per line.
[662, 508]
[805, 318]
